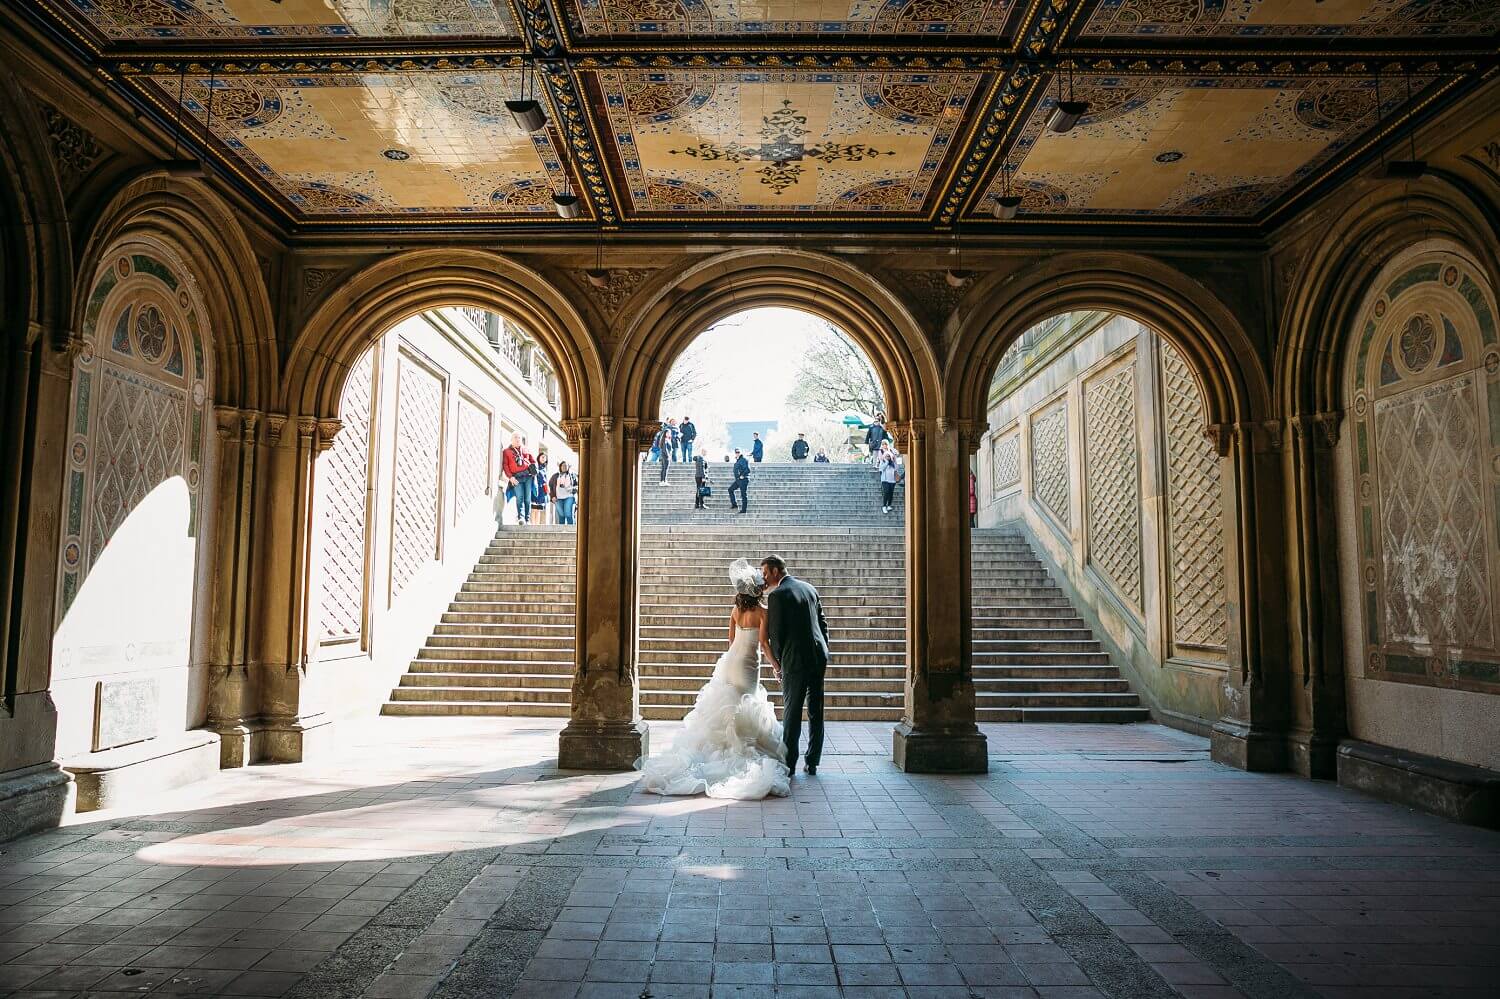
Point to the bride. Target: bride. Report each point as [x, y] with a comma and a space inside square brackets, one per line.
[730, 745]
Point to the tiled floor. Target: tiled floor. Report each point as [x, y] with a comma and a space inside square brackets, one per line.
[451, 858]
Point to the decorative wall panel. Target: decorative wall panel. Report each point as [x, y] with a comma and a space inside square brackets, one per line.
[1425, 386]
[1111, 469]
[1051, 478]
[1005, 460]
[345, 477]
[1195, 528]
[419, 456]
[154, 21]
[472, 472]
[826, 17]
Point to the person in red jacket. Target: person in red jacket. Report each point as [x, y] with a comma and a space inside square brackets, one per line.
[973, 500]
[520, 469]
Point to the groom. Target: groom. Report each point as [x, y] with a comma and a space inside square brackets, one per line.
[798, 635]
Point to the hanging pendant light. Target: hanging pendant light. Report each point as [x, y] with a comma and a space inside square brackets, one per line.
[1007, 205]
[526, 109]
[956, 276]
[1066, 113]
[190, 168]
[597, 275]
[567, 203]
[1408, 169]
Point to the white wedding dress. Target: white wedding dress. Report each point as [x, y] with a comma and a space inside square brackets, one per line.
[730, 744]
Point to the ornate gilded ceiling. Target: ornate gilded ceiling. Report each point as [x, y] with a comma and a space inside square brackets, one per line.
[850, 114]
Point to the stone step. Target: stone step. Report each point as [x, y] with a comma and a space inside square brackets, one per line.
[650, 685]
[444, 653]
[1046, 671]
[1040, 658]
[495, 681]
[512, 694]
[1051, 715]
[985, 687]
[504, 628]
[514, 640]
[685, 698]
[1004, 645]
[559, 668]
[442, 709]
[1061, 699]
[699, 672]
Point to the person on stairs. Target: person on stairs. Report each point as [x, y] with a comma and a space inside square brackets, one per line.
[877, 434]
[661, 444]
[564, 487]
[821, 458]
[688, 433]
[519, 468]
[741, 482]
[886, 463]
[539, 488]
[701, 489]
[757, 448]
[800, 448]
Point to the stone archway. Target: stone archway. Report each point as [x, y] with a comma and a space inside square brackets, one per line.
[1235, 404]
[937, 732]
[1325, 311]
[36, 286]
[342, 328]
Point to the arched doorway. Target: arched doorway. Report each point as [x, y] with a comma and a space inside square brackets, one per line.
[778, 403]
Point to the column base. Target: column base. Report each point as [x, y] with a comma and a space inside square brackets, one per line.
[602, 745]
[1243, 747]
[115, 777]
[290, 740]
[234, 744]
[928, 751]
[1313, 755]
[33, 799]
[1455, 791]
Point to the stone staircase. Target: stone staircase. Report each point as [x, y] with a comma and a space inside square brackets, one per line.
[505, 645]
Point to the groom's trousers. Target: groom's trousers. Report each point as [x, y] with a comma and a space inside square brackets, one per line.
[799, 688]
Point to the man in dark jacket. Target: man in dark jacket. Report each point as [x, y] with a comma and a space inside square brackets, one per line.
[741, 482]
[876, 435]
[800, 448]
[661, 446]
[757, 448]
[688, 433]
[797, 633]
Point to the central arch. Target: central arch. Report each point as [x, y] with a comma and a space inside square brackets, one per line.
[691, 300]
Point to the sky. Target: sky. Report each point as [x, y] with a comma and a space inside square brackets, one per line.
[750, 362]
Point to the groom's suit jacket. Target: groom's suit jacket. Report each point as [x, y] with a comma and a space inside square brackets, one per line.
[797, 631]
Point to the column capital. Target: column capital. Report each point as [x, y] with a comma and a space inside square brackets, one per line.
[328, 431]
[1257, 435]
[274, 424]
[1322, 429]
[576, 431]
[643, 431]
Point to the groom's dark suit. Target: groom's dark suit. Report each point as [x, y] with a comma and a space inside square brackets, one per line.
[798, 635]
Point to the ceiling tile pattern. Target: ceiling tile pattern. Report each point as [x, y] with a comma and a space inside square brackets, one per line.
[884, 114]
[782, 142]
[389, 144]
[1171, 147]
[1252, 19]
[752, 18]
[209, 20]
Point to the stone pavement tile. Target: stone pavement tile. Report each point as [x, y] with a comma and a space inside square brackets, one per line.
[681, 972]
[18, 976]
[1055, 973]
[806, 974]
[390, 986]
[868, 974]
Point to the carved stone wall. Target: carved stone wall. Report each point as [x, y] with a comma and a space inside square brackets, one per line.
[1005, 460]
[1195, 506]
[1112, 477]
[1425, 393]
[344, 476]
[419, 456]
[1051, 475]
[472, 473]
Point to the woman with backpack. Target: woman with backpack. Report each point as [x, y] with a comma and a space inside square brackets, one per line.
[520, 469]
[539, 489]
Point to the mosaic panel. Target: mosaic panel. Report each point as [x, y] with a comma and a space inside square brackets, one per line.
[1005, 461]
[401, 145]
[345, 470]
[137, 404]
[1195, 530]
[1291, 18]
[1111, 469]
[1426, 428]
[472, 472]
[689, 142]
[305, 20]
[419, 458]
[1211, 147]
[665, 18]
[1051, 477]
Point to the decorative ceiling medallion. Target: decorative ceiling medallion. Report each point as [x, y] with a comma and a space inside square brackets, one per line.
[782, 142]
[728, 18]
[1290, 19]
[413, 145]
[1234, 145]
[303, 20]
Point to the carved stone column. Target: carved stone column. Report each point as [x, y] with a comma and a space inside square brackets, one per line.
[937, 733]
[289, 717]
[1318, 718]
[1250, 733]
[35, 382]
[605, 730]
[230, 710]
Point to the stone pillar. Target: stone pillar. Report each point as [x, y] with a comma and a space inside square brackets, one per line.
[605, 730]
[937, 733]
[35, 381]
[288, 716]
[230, 708]
[1250, 733]
[1318, 717]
